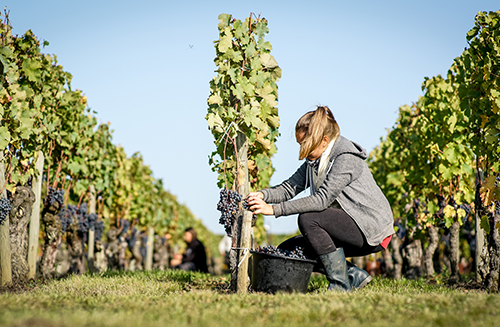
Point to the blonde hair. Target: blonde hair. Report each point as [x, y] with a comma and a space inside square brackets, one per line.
[315, 125]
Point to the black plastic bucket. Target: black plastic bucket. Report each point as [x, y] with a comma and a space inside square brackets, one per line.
[273, 273]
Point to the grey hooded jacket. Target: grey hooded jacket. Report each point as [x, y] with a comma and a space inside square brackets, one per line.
[349, 183]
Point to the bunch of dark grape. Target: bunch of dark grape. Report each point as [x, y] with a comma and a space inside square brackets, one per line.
[298, 253]
[467, 209]
[83, 222]
[82, 210]
[66, 216]
[453, 203]
[125, 225]
[5, 208]
[401, 229]
[55, 195]
[144, 245]
[131, 238]
[440, 213]
[228, 206]
[91, 219]
[99, 229]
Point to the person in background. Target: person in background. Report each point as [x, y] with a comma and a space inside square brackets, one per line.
[346, 214]
[195, 258]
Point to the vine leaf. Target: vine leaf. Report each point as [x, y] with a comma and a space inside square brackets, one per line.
[488, 190]
[4, 137]
[215, 122]
[268, 61]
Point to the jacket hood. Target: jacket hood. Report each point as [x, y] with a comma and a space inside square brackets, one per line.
[343, 146]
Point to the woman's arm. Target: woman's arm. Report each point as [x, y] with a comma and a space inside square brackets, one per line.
[345, 169]
[288, 189]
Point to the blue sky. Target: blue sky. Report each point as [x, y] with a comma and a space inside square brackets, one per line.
[146, 69]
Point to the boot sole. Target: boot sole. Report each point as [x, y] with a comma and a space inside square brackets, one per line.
[365, 282]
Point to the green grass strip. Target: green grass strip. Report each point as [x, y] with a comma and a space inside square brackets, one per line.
[176, 298]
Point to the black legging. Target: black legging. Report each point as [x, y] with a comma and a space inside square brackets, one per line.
[325, 231]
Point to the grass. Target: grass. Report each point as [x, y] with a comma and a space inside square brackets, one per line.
[176, 298]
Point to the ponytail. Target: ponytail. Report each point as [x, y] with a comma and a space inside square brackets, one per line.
[315, 125]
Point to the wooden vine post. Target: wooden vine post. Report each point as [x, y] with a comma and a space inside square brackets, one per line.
[244, 234]
[92, 209]
[34, 233]
[5, 254]
[149, 253]
[479, 245]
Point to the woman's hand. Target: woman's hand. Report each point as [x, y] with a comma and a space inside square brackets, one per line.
[257, 205]
[258, 195]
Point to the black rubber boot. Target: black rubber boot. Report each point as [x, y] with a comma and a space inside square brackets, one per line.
[357, 276]
[336, 270]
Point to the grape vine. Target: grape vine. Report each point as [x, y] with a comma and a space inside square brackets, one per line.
[243, 99]
[5, 208]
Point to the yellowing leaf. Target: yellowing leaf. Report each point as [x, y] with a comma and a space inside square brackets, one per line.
[268, 61]
[452, 121]
[449, 211]
[266, 143]
[274, 121]
[251, 164]
[484, 120]
[435, 148]
[241, 176]
[461, 213]
[214, 99]
[215, 122]
[225, 43]
[487, 190]
[266, 94]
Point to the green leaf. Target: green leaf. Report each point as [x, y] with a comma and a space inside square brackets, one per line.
[466, 168]
[276, 73]
[31, 69]
[251, 117]
[452, 122]
[446, 172]
[74, 167]
[449, 153]
[485, 224]
[492, 136]
[238, 91]
[239, 29]
[5, 64]
[250, 50]
[224, 19]
[261, 28]
[262, 161]
[225, 43]
[432, 207]
[4, 137]
[266, 94]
